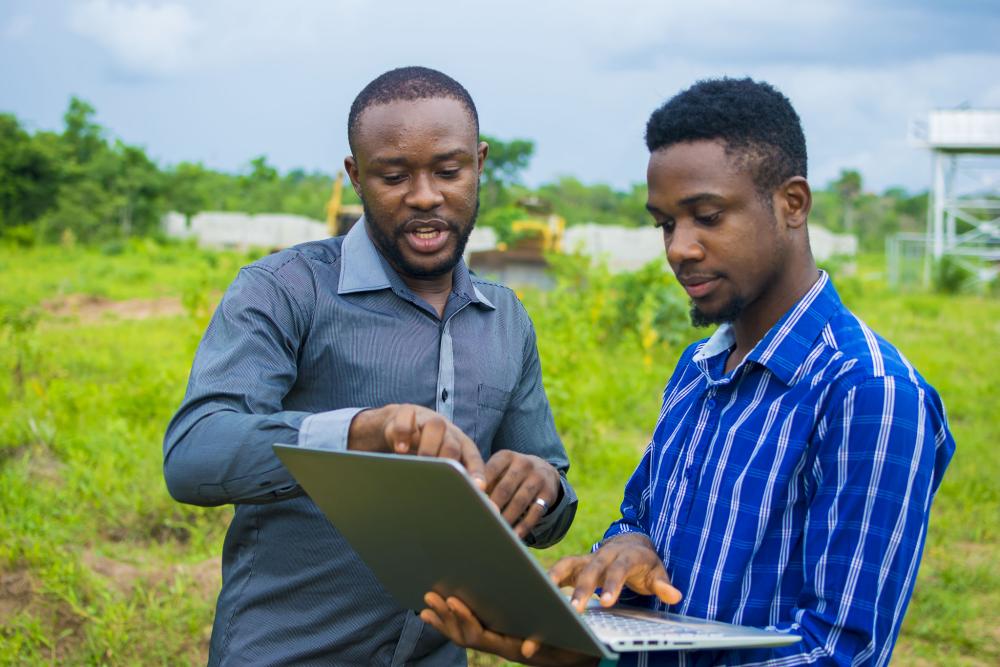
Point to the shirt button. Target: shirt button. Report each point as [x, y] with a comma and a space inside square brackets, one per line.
[711, 404]
[444, 395]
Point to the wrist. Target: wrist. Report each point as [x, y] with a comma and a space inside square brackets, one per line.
[366, 433]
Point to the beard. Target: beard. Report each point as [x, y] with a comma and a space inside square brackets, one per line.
[728, 313]
[389, 245]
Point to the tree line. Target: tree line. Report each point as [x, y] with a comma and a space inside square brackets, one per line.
[83, 184]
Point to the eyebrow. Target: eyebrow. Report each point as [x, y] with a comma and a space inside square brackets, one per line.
[693, 200]
[439, 157]
[702, 198]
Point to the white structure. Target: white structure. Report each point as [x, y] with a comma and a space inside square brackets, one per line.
[217, 229]
[629, 248]
[964, 216]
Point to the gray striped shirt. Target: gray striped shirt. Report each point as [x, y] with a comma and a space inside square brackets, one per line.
[301, 341]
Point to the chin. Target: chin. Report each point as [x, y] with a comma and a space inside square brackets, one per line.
[728, 312]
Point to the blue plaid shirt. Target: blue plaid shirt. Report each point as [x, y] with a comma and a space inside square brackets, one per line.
[794, 492]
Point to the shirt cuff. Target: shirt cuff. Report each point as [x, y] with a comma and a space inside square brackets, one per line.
[327, 430]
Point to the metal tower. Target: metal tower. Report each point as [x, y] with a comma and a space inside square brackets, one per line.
[964, 212]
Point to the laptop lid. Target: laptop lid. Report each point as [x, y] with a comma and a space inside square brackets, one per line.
[421, 525]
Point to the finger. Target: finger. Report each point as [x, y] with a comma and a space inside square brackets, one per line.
[665, 590]
[471, 459]
[504, 488]
[432, 436]
[432, 619]
[496, 467]
[529, 647]
[523, 508]
[588, 579]
[530, 518]
[449, 623]
[401, 430]
[465, 615]
[614, 581]
[564, 572]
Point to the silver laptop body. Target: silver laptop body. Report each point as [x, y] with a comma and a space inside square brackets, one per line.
[421, 525]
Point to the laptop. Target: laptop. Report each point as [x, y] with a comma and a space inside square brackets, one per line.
[421, 525]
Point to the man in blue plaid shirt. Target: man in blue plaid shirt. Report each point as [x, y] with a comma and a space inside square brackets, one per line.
[789, 480]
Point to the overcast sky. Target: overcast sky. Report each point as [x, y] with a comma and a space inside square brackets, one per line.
[221, 81]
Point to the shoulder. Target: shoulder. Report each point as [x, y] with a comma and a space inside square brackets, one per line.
[862, 353]
[288, 276]
[866, 364]
[503, 298]
[304, 257]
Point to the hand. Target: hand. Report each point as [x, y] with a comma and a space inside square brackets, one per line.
[515, 481]
[413, 429]
[457, 622]
[625, 560]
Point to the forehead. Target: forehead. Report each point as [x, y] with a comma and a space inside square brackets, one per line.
[405, 125]
[695, 167]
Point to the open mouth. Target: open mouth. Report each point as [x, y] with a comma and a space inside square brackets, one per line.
[426, 236]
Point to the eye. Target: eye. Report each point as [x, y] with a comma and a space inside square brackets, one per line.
[449, 173]
[393, 179]
[667, 225]
[709, 219]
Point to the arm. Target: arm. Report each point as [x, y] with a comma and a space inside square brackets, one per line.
[528, 430]
[217, 448]
[880, 457]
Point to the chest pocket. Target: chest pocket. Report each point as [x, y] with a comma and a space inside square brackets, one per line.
[491, 404]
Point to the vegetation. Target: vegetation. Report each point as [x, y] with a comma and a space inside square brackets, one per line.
[83, 185]
[99, 320]
[99, 566]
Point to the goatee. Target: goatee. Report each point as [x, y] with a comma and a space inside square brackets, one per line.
[729, 313]
[390, 245]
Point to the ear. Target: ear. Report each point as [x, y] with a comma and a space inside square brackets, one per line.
[793, 201]
[482, 150]
[351, 166]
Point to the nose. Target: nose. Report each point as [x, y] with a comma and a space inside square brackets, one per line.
[683, 245]
[424, 194]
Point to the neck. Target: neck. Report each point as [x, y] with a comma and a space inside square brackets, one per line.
[758, 318]
[434, 290]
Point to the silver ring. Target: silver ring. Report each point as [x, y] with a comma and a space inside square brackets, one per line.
[541, 503]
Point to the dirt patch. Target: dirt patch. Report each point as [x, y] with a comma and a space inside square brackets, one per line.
[88, 308]
[40, 463]
[17, 589]
[205, 577]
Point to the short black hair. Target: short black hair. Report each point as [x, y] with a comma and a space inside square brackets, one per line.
[753, 119]
[408, 83]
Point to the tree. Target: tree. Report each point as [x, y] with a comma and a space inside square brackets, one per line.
[29, 174]
[848, 186]
[504, 164]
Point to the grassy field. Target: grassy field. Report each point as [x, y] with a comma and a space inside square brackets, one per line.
[99, 566]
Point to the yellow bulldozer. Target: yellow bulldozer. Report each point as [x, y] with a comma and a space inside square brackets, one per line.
[340, 217]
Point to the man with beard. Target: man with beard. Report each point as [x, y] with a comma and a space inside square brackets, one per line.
[789, 479]
[380, 340]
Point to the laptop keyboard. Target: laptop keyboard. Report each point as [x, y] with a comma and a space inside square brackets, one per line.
[601, 619]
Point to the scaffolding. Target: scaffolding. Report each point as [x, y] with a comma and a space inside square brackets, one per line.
[964, 209]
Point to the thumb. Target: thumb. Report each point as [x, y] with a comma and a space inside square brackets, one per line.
[664, 590]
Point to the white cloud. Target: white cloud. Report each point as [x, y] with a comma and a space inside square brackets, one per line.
[144, 39]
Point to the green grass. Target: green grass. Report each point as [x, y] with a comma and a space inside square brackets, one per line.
[99, 566]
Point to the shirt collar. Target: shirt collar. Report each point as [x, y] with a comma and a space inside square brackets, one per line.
[784, 348]
[363, 269]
